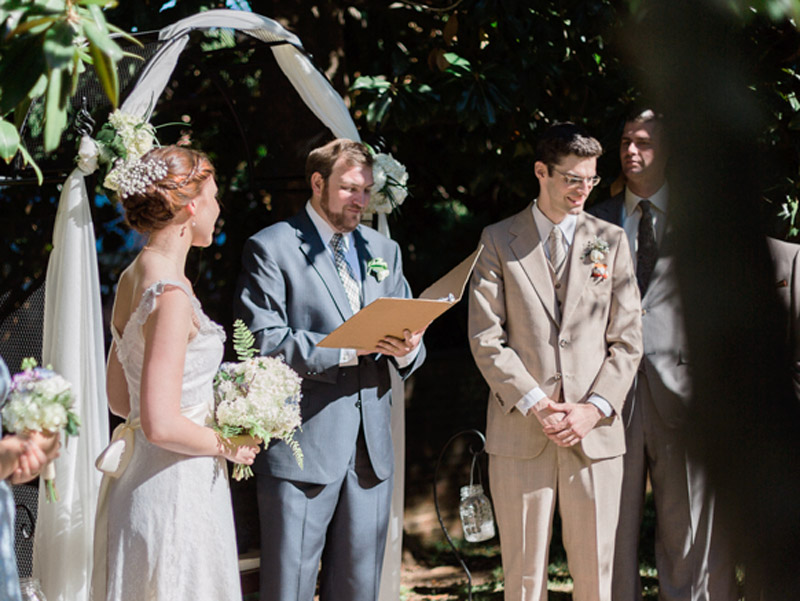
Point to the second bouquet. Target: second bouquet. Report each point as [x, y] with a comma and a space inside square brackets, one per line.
[259, 396]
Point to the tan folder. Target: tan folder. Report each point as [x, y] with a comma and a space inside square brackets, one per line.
[390, 316]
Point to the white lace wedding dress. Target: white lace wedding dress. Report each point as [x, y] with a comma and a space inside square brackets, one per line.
[170, 521]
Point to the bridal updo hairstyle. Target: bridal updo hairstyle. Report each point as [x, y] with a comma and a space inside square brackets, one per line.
[163, 198]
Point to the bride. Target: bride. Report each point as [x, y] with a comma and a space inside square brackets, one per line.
[170, 533]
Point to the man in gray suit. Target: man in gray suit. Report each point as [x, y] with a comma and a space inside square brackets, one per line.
[691, 557]
[301, 279]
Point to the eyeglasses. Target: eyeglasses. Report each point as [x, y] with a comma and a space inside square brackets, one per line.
[573, 181]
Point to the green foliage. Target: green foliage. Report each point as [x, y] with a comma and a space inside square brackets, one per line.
[243, 341]
[45, 48]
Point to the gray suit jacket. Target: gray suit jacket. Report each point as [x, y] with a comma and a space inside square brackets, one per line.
[290, 295]
[665, 362]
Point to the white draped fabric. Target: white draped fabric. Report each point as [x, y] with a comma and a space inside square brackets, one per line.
[73, 321]
[73, 345]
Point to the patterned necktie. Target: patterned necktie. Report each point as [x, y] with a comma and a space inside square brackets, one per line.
[351, 287]
[558, 254]
[647, 250]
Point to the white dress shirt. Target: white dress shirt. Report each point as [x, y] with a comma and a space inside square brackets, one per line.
[633, 214]
[543, 227]
[348, 356]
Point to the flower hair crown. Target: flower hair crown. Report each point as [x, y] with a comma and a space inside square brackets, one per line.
[122, 142]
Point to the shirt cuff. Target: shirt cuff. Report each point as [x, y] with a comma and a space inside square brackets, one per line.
[347, 357]
[603, 405]
[529, 400]
[406, 360]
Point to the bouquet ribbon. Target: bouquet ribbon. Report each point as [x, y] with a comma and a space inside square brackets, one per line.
[112, 462]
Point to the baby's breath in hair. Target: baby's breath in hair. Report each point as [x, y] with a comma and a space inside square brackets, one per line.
[132, 176]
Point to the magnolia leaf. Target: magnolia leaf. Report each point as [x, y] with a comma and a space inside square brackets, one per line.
[28, 159]
[29, 26]
[21, 68]
[102, 3]
[58, 49]
[55, 111]
[9, 140]
[100, 39]
[128, 37]
[106, 71]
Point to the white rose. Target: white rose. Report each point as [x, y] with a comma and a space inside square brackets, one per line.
[596, 255]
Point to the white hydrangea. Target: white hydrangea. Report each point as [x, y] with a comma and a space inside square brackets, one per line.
[39, 400]
[390, 184]
[260, 394]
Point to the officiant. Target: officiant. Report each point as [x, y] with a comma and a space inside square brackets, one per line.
[301, 279]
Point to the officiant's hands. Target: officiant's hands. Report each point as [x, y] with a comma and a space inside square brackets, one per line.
[397, 347]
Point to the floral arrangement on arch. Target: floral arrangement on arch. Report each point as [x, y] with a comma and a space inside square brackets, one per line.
[390, 186]
[120, 144]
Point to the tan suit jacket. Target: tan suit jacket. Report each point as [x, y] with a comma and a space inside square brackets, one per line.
[520, 339]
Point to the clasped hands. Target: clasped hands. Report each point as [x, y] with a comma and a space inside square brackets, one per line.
[396, 347]
[23, 456]
[566, 424]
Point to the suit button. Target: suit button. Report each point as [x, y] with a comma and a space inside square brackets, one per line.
[558, 285]
[557, 376]
[358, 404]
[562, 343]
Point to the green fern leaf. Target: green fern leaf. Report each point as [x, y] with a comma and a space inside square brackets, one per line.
[243, 341]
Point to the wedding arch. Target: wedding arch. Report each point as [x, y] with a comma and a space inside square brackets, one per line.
[73, 339]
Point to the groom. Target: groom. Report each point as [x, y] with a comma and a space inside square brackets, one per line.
[301, 279]
[554, 326]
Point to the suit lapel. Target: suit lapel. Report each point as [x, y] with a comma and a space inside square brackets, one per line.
[319, 258]
[579, 269]
[529, 250]
[370, 288]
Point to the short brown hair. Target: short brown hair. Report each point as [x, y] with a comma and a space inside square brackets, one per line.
[187, 170]
[322, 159]
[563, 139]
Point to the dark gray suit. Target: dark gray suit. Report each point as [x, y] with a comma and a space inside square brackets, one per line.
[291, 297]
[692, 560]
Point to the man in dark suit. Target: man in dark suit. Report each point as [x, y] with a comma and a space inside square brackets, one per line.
[691, 557]
[301, 279]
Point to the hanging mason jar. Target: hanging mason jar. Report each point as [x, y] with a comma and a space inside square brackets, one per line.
[475, 509]
[31, 589]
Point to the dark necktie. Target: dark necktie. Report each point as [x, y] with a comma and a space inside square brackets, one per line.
[647, 250]
[349, 281]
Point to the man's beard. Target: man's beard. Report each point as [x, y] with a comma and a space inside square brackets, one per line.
[337, 220]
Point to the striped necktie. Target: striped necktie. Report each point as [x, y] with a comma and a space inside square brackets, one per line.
[351, 287]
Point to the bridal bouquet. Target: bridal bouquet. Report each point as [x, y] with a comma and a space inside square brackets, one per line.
[259, 396]
[41, 400]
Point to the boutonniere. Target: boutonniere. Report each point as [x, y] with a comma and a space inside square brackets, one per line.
[378, 268]
[596, 252]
